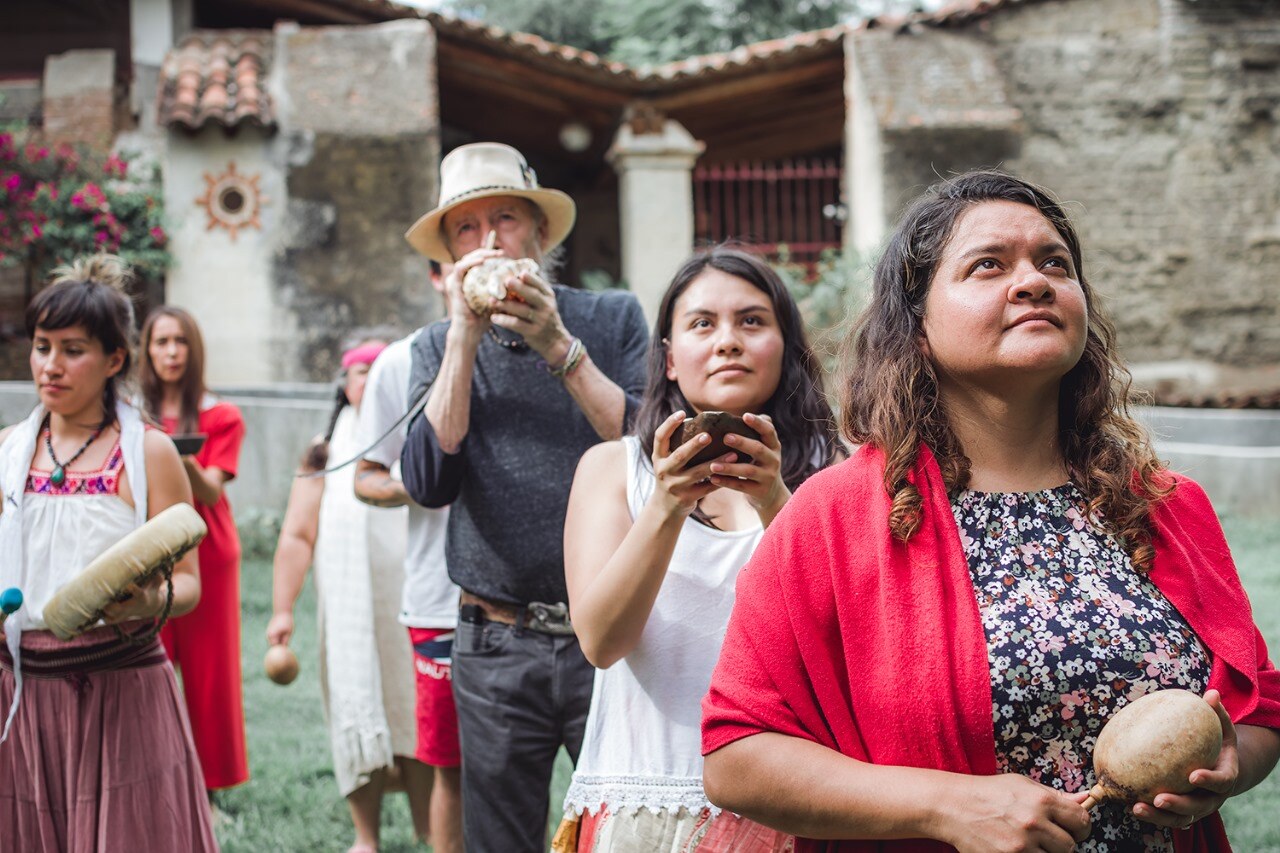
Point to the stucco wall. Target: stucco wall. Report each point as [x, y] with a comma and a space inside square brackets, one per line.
[1157, 121]
[227, 283]
[351, 164]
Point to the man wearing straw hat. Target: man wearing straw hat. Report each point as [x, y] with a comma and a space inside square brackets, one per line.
[516, 398]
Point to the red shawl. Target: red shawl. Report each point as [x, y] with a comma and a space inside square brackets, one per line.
[845, 636]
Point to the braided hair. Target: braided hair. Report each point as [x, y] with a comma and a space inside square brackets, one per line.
[316, 456]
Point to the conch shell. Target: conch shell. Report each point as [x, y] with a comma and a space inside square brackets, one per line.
[488, 280]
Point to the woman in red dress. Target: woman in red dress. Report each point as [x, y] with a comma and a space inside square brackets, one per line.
[205, 644]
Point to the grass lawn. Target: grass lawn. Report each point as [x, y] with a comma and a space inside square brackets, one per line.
[292, 803]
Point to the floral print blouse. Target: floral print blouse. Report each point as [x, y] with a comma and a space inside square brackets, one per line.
[1074, 633]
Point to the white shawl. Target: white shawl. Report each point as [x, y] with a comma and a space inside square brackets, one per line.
[15, 462]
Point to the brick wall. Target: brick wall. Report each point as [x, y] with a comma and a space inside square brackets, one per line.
[80, 101]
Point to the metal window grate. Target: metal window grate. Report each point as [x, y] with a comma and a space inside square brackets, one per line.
[767, 205]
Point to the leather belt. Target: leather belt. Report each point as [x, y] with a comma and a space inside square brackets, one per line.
[536, 615]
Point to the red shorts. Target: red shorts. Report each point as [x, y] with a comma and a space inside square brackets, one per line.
[437, 716]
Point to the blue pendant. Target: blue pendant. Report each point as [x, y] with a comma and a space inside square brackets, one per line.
[59, 476]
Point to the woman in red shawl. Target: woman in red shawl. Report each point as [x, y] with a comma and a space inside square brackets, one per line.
[930, 636]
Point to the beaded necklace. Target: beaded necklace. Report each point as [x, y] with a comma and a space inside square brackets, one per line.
[59, 475]
[514, 346]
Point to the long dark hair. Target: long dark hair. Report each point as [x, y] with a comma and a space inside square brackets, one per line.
[890, 391]
[193, 387]
[316, 456]
[91, 292]
[799, 411]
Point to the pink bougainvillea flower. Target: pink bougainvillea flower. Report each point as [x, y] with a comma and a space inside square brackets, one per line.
[157, 234]
[12, 182]
[115, 166]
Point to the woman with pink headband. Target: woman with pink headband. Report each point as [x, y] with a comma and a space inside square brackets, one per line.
[366, 666]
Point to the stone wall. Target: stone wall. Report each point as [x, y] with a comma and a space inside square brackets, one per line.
[360, 123]
[1160, 118]
[1157, 120]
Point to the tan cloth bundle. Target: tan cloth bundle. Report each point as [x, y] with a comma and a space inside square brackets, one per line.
[78, 604]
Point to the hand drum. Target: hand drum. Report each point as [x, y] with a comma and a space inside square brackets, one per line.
[77, 605]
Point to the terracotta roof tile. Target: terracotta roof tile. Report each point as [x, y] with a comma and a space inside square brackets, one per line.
[217, 76]
[579, 63]
[751, 56]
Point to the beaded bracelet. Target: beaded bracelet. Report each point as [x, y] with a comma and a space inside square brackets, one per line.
[571, 360]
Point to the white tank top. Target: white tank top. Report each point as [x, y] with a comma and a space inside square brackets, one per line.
[66, 528]
[643, 744]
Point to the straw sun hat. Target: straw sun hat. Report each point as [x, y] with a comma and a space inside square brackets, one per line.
[480, 170]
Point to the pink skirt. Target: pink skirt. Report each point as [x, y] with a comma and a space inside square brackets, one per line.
[99, 760]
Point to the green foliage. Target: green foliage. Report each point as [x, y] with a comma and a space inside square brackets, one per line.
[579, 23]
[830, 295]
[59, 203]
[598, 279]
[259, 531]
[641, 32]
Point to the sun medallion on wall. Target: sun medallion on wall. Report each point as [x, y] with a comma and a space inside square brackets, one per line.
[232, 200]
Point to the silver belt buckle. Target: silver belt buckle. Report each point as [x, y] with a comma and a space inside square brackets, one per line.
[549, 618]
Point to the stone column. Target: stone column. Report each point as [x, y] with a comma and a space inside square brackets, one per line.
[654, 160]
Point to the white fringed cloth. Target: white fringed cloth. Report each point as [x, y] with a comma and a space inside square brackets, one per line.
[366, 663]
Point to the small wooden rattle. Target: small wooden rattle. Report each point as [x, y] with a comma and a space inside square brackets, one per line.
[281, 664]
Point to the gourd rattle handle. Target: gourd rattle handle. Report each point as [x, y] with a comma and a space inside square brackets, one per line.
[1096, 796]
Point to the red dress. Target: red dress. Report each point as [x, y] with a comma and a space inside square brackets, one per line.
[204, 645]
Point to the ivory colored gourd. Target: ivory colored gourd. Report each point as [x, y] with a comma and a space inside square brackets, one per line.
[1152, 745]
[281, 664]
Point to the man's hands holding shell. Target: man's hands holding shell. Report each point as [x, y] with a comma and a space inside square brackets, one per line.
[530, 310]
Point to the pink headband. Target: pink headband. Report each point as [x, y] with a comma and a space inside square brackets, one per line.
[363, 354]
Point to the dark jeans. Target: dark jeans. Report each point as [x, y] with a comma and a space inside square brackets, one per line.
[520, 696]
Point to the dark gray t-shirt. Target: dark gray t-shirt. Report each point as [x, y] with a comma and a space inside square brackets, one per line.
[509, 483]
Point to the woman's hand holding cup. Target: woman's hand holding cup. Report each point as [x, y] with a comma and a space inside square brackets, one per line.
[678, 486]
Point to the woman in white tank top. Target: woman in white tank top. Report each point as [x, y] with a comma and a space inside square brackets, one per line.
[653, 548]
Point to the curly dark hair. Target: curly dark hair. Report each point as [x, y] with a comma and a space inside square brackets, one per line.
[798, 408]
[890, 396]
